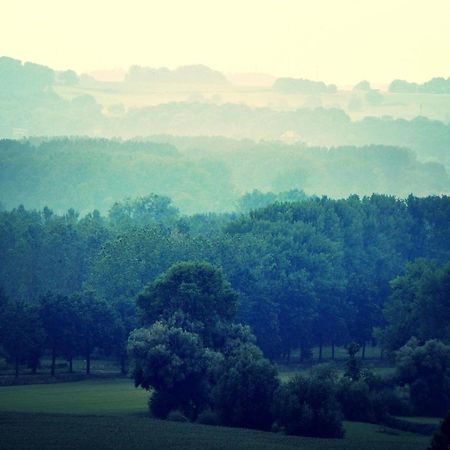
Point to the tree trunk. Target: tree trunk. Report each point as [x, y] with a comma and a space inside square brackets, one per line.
[332, 350]
[304, 352]
[17, 368]
[320, 349]
[288, 354]
[52, 370]
[70, 364]
[88, 362]
[123, 369]
[364, 350]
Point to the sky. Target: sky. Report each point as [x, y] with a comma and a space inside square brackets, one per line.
[339, 41]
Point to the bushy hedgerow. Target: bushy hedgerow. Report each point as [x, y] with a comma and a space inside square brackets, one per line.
[441, 439]
[370, 398]
[425, 369]
[308, 407]
[354, 400]
[244, 393]
[208, 417]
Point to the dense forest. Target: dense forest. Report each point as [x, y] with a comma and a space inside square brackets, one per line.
[308, 273]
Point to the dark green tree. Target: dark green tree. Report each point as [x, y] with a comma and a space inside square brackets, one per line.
[441, 439]
[426, 370]
[174, 363]
[353, 365]
[244, 392]
[60, 319]
[193, 296]
[96, 324]
[22, 335]
[308, 407]
[418, 305]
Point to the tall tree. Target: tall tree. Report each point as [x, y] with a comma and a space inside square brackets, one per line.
[22, 335]
[194, 296]
[60, 320]
[96, 324]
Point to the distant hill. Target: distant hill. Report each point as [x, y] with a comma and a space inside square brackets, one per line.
[303, 86]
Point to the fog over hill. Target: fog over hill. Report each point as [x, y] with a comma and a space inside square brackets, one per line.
[320, 150]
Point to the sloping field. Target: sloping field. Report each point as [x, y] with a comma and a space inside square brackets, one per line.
[111, 414]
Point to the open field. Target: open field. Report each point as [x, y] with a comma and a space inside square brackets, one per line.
[117, 396]
[398, 105]
[112, 414]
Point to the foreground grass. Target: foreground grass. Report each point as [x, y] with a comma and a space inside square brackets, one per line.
[111, 414]
[60, 431]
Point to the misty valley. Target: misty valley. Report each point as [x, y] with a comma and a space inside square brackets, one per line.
[197, 259]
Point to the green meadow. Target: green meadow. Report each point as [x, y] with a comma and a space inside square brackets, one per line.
[112, 414]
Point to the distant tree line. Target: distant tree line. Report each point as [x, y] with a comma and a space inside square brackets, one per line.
[31, 106]
[204, 174]
[438, 85]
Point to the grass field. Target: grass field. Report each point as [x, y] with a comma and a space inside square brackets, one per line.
[99, 397]
[112, 414]
[405, 106]
[45, 431]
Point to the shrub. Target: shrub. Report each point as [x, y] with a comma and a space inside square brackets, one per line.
[244, 393]
[426, 370]
[354, 399]
[441, 439]
[175, 364]
[208, 417]
[392, 401]
[308, 407]
[160, 404]
[370, 400]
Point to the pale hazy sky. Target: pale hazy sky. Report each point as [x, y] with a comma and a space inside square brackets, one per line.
[340, 41]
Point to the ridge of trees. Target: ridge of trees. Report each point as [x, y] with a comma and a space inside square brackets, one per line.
[202, 175]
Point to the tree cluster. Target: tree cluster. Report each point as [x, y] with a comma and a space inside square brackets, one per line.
[65, 327]
[202, 366]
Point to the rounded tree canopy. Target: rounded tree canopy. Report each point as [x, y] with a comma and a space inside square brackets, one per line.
[192, 295]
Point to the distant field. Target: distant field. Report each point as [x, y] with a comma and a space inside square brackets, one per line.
[396, 105]
[287, 372]
[111, 414]
[425, 420]
[372, 361]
